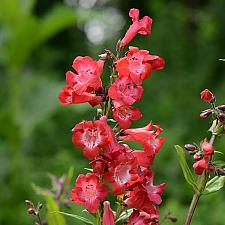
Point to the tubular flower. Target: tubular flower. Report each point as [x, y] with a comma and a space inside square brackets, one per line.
[147, 137]
[142, 26]
[108, 216]
[125, 114]
[69, 96]
[90, 135]
[122, 173]
[125, 92]
[144, 195]
[138, 64]
[83, 84]
[89, 192]
[143, 218]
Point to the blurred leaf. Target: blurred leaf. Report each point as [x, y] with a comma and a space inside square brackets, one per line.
[222, 60]
[186, 171]
[214, 185]
[43, 97]
[57, 19]
[69, 178]
[86, 221]
[219, 163]
[53, 218]
[218, 152]
[124, 215]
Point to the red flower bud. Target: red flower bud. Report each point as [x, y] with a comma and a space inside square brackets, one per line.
[207, 96]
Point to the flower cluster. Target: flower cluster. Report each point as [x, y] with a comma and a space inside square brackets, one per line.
[203, 155]
[114, 163]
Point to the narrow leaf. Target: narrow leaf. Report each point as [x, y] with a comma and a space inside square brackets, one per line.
[214, 185]
[86, 221]
[186, 170]
[222, 60]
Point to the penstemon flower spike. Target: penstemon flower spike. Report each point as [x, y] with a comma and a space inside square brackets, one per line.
[115, 164]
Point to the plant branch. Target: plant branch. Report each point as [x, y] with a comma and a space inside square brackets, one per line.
[202, 184]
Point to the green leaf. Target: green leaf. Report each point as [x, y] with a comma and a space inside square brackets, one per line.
[186, 170]
[53, 218]
[124, 215]
[86, 221]
[219, 163]
[214, 185]
[222, 60]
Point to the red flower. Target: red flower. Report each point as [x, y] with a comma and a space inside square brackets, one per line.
[125, 92]
[138, 64]
[88, 74]
[143, 218]
[146, 137]
[69, 96]
[201, 165]
[125, 114]
[142, 26]
[82, 86]
[207, 148]
[89, 192]
[90, 135]
[143, 159]
[122, 173]
[207, 96]
[145, 194]
[108, 216]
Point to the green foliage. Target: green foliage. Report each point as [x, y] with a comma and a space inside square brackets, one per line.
[189, 177]
[214, 185]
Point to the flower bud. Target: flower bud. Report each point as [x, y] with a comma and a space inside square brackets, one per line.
[40, 205]
[206, 113]
[220, 171]
[207, 148]
[221, 107]
[172, 218]
[190, 147]
[207, 96]
[197, 157]
[28, 202]
[221, 117]
[31, 211]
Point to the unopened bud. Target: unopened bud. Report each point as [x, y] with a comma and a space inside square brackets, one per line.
[197, 157]
[40, 205]
[221, 107]
[36, 223]
[221, 117]
[31, 211]
[190, 147]
[220, 171]
[172, 218]
[207, 96]
[206, 113]
[28, 202]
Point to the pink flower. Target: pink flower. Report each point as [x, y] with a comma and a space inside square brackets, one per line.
[138, 64]
[207, 96]
[108, 216]
[90, 135]
[125, 92]
[89, 192]
[122, 173]
[142, 26]
[125, 114]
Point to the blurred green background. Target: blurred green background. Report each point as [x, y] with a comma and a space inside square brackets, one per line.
[38, 42]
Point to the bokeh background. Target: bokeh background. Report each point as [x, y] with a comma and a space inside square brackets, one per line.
[39, 40]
